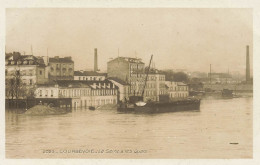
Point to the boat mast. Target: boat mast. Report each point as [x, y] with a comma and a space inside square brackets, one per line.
[147, 75]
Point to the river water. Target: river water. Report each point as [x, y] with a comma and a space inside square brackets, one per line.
[221, 129]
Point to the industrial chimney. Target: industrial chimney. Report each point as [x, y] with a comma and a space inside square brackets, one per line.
[95, 60]
[247, 64]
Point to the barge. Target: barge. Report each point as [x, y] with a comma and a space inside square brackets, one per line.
[164, 104]
[160, 107]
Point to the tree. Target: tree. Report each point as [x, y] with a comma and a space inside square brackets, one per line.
[180, 77]
[175, 76]
[16, 88]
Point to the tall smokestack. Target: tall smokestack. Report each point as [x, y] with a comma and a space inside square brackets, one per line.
[247, 64]
[95, 60]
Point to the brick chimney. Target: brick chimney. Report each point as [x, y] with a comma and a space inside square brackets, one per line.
[95, 60]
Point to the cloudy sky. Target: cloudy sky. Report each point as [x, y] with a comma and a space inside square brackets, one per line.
[190, 39]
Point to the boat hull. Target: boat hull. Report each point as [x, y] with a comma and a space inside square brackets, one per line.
[157, 107]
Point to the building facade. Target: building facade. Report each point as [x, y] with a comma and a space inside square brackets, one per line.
[155, 86]
[130, 70]
[61, 68]
[133, 71]
[23, 73]
[31, 68]
[177, 89]
[82, 93]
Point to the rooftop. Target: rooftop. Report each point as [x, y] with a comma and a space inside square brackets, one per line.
[118, 80]
[58, 59]
[128, 59]
[19, 59]
[78, 83]
[88, 73]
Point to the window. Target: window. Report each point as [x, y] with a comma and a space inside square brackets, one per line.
[40, 93]
[51, 93]
[40, 72]
[46, 93]
[30, 82]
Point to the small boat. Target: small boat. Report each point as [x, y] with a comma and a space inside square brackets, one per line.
[91, 108]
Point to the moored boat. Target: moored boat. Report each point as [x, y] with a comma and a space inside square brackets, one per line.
[161, 107]
[163, 104]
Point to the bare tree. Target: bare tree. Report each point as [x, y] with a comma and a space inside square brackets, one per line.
[17, 89]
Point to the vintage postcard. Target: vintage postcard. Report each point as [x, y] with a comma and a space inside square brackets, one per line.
[129, 83]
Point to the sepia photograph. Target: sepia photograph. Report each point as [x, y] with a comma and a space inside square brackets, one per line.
[129, 83]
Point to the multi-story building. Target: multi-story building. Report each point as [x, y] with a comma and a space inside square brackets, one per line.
[89, 76]
[155, 86]
[82, 93]
[177, 89]
[31, 69]
[130, 70]
[61, 68]
[22, 74]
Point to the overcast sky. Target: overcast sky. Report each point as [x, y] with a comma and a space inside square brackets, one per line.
[189, 39]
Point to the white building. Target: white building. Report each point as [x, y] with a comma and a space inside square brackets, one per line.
[83, 94]
[177, 89]
[155, 86]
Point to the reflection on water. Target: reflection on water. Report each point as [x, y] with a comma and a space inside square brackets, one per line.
[107, 134]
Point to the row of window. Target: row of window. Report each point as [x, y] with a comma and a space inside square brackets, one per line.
[179, 95]
[28, 72]
[162, 92]
[96, 102]
[78, 92]
[25, 62]
[180, 88]
[91, 78]
[63, 69]
[104, 92]
[74, 92]
[46, 93]
[135, 66]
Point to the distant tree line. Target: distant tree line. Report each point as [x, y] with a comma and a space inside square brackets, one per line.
[175, 76]
[194, 83]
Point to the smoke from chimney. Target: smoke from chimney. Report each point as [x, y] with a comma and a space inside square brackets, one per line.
[95, 60]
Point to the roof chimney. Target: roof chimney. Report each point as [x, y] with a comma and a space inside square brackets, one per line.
[95, 60]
